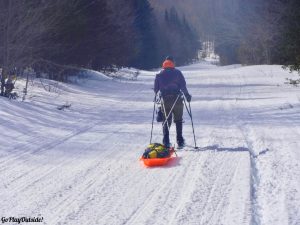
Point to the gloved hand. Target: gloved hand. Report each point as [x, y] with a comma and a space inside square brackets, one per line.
[188, 97]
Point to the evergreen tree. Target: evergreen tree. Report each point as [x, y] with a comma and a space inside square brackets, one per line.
[177, 38]
[290, 43]
[166, 15]
[91, 36]
[145, 48]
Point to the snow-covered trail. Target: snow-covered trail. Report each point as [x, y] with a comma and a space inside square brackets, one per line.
[80, 166]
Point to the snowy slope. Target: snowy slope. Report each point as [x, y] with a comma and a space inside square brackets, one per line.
[80, 165]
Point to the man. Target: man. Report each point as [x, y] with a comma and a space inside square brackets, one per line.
[171, 83]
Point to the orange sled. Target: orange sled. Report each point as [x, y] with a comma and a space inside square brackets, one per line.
[158, 161]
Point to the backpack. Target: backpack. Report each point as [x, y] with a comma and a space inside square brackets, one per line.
[156, 150]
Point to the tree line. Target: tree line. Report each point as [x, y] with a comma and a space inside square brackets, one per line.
[246, 31]
[98, 34]
[258, 32]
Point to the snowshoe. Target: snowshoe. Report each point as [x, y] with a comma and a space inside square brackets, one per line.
[180, 144]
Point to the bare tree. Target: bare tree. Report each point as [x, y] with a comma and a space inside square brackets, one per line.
[25, 27]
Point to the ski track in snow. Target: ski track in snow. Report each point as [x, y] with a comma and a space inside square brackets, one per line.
[80, 166]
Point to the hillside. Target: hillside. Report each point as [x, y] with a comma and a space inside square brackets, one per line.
[81, 165]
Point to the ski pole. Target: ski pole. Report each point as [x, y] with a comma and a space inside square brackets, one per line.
[153, 117]
[169, 114]
[196, 147]
[191, 116]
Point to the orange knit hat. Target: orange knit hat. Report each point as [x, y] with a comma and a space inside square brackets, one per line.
[168, 64]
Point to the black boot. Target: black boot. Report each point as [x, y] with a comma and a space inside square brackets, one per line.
[166, 140]
[180, 139]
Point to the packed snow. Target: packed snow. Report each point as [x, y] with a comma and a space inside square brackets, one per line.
[80, 165]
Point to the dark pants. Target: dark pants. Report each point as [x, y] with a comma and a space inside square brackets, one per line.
[176, 113]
